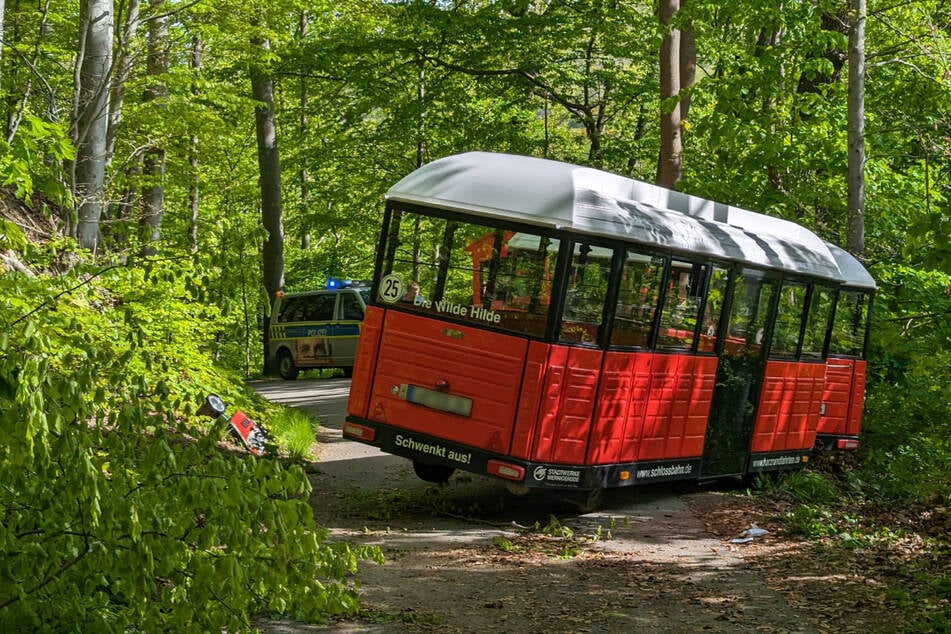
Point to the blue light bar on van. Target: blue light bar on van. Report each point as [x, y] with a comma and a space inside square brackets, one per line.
[333, 283]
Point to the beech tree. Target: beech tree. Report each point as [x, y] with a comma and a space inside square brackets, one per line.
[855, 241]
[669, 162]
[153, 194]
[269, 165]
[91, 120]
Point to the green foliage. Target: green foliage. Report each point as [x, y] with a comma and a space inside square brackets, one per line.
[11, 236]
[810, 521]
[120, 510]
[907, 424]
[802, 486]
[30, 163]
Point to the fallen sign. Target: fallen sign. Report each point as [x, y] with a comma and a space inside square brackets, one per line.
[252, 435]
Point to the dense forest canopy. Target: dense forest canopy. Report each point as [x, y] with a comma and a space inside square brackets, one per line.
[167, 165]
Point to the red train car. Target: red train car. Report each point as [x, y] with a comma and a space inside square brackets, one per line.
[561, 327]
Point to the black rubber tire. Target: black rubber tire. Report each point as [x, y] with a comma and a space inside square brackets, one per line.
[435, 473]
[285, 366]
[586, 501]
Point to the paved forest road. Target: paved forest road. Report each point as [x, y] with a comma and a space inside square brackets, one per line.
[470, 557]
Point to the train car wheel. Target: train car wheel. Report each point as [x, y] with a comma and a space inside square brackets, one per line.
[517, 489]
[435, 473]
[589, 501]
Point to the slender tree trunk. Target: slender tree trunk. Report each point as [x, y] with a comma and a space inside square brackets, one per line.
[855, 241]
[17, 112]
[595, 153]
[302, 175]
[269, 166]
[669, 167]
[153, 194]
[421, 115]
[3, 9]
[92, 116]
[10, 40]
[688, 65]
[193, 153]
[123, 68]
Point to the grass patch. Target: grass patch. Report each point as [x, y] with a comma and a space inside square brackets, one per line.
[294, 432]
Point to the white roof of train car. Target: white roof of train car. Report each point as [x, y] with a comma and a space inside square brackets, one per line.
[593, 202]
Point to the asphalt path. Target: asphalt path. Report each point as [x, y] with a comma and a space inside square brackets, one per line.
[363, 495]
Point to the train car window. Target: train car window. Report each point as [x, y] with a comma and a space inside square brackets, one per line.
[678, 319]
[638, 296]
[476, 273]
[792, 302]
[716, 292]
[848, 326]
[752, 297]
[817, 322]
[587, 289]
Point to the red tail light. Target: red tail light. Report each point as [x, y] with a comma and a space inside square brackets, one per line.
[360, 432]
[847, 444]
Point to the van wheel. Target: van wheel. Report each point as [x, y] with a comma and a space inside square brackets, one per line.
[285, 366]
[435, 473]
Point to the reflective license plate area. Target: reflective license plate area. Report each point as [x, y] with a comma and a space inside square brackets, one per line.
[436, 400]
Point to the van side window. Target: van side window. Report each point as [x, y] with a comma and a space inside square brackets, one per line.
[289, 308]
[350, 308]
[321, 307]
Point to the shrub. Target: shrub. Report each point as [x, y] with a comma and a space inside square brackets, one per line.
[121, 512]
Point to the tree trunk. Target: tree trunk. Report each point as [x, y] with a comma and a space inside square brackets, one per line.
[669, 166]
[855, 241]
[92, 116]
[16, 113]
[3, 9]
[269, 167]
[421, 115]
[153, 194]
[193, 154]
[302, 174]
[123, 68]
[688, 65]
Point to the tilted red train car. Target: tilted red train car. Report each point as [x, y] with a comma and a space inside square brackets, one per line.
[557, 326]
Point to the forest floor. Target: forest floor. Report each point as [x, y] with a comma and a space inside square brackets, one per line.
[664, 563]
[862, 568]
[470, 557]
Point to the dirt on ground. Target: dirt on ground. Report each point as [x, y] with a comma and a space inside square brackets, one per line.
[469, 556]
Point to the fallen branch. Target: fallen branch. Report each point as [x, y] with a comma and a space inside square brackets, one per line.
[12, 262]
